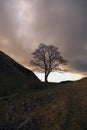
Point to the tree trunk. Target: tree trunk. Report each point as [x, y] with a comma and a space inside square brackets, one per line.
[46, 79]
[46, 76]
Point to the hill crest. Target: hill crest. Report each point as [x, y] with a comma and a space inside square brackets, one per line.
[14, 74]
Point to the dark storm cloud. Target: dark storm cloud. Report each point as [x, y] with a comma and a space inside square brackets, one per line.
[81, 66]
[65, 24]
[61, 22]
[11, 39]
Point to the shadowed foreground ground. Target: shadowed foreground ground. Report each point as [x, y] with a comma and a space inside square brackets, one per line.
[46, 107]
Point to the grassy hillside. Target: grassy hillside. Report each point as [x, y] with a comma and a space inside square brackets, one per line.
[13, 76]
[47, 107]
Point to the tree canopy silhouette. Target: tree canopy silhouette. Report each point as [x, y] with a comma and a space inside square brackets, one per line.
[47, 58]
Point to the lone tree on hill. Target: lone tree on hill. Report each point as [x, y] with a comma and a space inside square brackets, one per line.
[47, 58]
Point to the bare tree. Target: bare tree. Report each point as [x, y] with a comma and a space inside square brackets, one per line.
[47, 58]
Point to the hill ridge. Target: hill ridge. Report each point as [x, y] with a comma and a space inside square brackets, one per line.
[14, 74]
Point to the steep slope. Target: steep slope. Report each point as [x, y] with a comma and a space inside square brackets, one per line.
[13, 75]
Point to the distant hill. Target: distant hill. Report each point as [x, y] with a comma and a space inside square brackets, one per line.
[14, 76]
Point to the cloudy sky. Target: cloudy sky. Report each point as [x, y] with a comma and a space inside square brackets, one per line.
[26, 23]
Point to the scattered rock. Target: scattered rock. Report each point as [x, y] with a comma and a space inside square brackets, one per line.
[31, 124]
